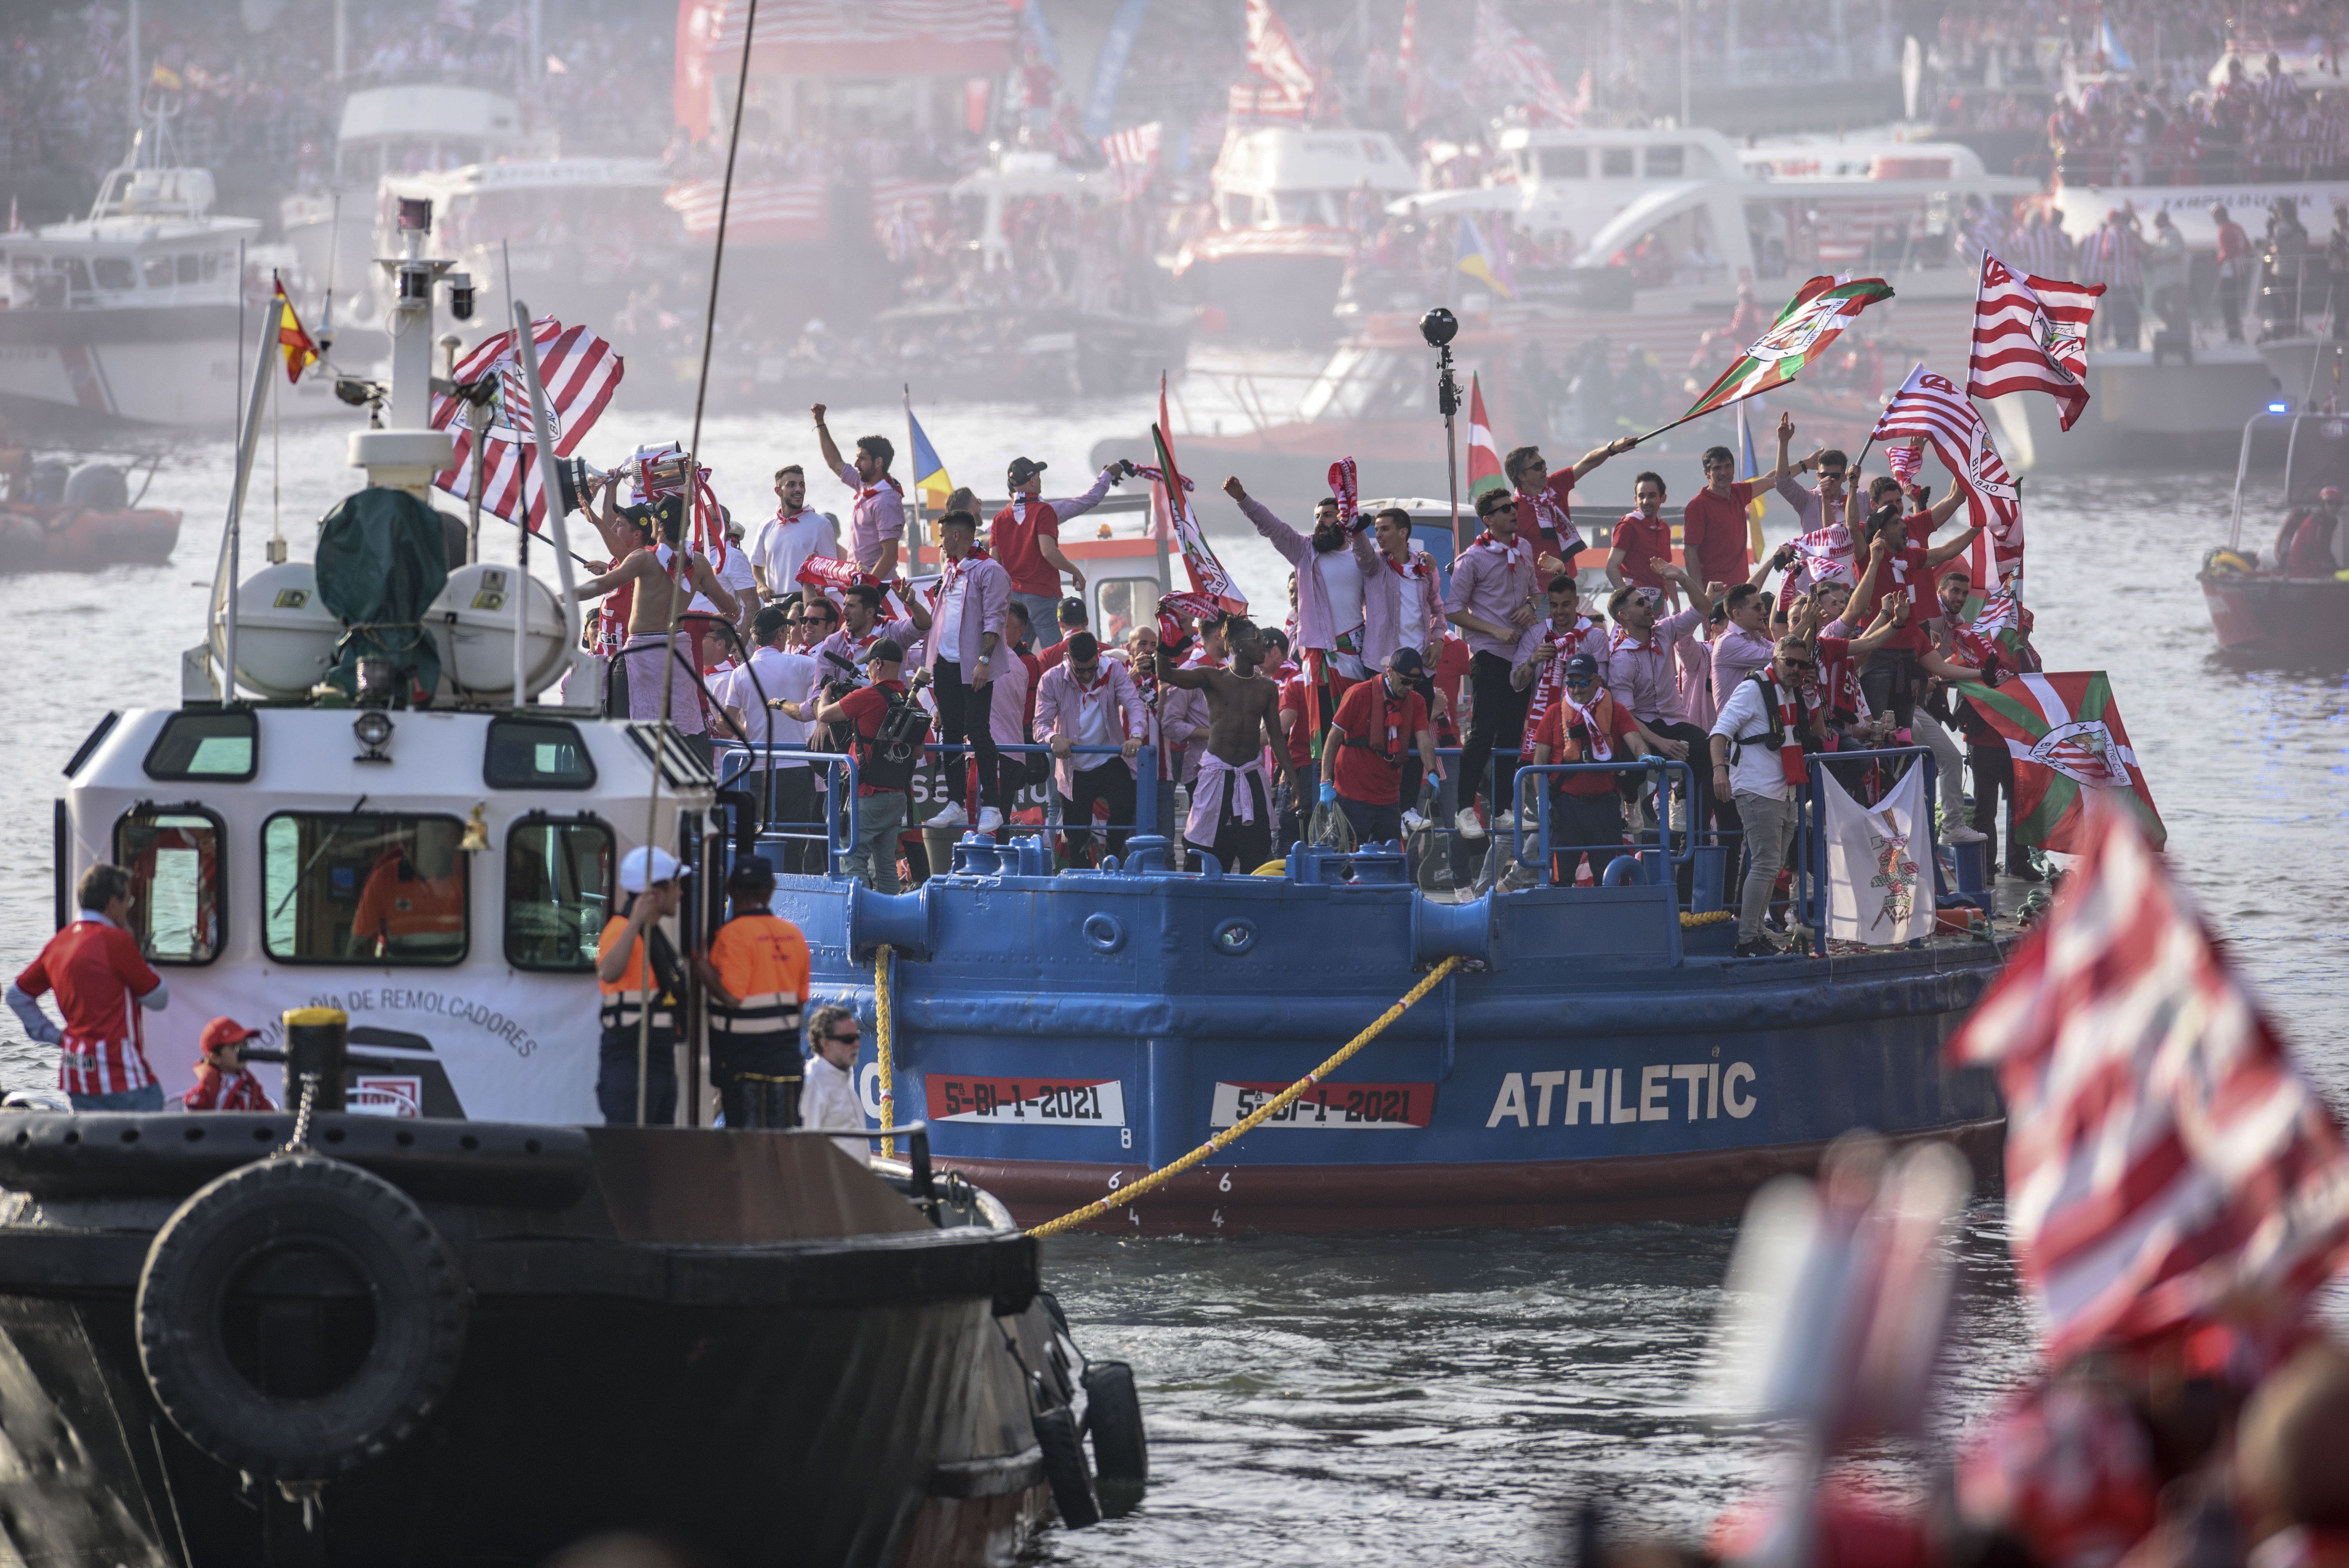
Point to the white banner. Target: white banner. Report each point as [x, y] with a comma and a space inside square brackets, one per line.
[1880, 875]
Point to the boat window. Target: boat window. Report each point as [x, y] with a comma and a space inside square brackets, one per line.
[1566, 162]
[114, 272]
[159, 272]
[1615, 162]
[191, 269]
[77, 273]
[217, 743]
[536, 754]
[364, 888]
[1678, 251]
[558, 892]
[1237, 209]
[212, 266]
[1122, 604]
[178, 896]
[1666, 163]
[1290, 208]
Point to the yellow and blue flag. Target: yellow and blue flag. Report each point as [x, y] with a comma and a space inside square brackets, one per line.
[1479, 260]
[929, 470]
[1748, 469]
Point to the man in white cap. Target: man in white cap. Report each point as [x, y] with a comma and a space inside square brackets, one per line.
[636, 1074]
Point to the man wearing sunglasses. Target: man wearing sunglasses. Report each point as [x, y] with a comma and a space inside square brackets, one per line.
[1758, 742]
[828, 1100]
[1583, 723]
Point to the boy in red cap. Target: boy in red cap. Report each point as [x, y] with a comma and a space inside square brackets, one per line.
[222, 1080]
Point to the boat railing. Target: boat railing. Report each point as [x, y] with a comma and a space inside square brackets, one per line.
[2289, 290]
[1652, 863]
[1810, 855]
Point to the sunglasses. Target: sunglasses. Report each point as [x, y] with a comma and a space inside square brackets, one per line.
[848, 1039]
[1798, 663]
[1580, 681]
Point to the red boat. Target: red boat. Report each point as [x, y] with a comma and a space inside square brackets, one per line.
[82, 538]
[2261, 610]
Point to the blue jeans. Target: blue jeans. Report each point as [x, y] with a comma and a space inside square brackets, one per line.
[147, 1096]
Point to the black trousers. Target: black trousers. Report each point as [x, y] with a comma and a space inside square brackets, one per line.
[1111, 781]
[1594, 822]
[759, 1102]
[963, 715]
[616, 1078]
[1993, 770]
[1498, 726]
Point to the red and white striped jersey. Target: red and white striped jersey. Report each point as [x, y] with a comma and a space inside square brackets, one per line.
[98, 973]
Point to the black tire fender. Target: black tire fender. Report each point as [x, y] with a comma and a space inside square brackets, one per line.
[321, 1218]
[1065, 1469]
[1114, 1417]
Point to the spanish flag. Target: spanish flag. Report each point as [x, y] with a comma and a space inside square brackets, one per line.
[929, 470]
[300, 351]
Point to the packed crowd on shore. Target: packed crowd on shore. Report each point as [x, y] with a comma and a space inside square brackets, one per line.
[960, 693]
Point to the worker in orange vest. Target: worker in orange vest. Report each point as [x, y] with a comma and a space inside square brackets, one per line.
[637, 967]
[757, 977]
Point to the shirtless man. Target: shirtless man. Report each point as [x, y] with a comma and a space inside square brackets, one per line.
[653, 575]
[1231, 808]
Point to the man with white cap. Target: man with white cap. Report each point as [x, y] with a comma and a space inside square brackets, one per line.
[636, 967]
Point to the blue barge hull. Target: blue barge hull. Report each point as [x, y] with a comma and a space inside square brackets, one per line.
[1063, 1036]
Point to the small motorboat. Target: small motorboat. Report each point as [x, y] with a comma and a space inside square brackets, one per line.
[2273, 611]
[84, 538]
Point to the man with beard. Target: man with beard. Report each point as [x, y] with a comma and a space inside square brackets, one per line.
[796, 534]
[1231, 805]
[878, 521]
[841, 656]
[1637, 670]
[1330, 589]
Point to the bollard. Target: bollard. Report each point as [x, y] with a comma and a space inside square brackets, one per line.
[316, 1041]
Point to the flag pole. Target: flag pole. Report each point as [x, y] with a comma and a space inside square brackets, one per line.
[921, 519]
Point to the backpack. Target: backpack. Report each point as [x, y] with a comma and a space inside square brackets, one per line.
[886, 760]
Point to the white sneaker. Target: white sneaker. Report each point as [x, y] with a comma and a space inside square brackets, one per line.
[1413, 821]
[1471, 825]
[990, 820]
[1963, 833]
[953, 816]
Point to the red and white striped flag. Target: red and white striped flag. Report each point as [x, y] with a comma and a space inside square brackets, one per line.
[1273, 54]
[2166, 1166]
[1931, 406]
[2031, 334]
[1904, 462]
[1133, 155]
[580, 372]
[1499, 53]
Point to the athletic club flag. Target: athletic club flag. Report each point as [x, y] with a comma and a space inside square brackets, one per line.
[1170, 497]
[2031, 334]
[1273, 54]
[2166, 1166]
[1880, 889]
[1498, 53]
[580, 372]
[1484, 454]
[1931, 405]
[1132, 156]
[2066, 735]
[1812, 320]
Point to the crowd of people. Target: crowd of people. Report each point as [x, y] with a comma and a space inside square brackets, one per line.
[958, 693]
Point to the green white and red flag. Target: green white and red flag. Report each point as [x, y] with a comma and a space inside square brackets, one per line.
[1170, 500]
[1812, 320]
[1484, 452]
[2066, 735]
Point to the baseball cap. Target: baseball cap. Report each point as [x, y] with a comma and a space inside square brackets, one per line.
[751, 871]
[2330, 493]
[224, 1032]
[664, 867]
[886, 651]
[1581, 666]
[1022, 469]
[1406, 662]
[1072, 612]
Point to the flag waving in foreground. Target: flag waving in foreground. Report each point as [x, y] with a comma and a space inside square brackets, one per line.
[1170, 500]
[2066, 735]
[300, 351]
[2166, 1166]
[1812, 320]
[1931, 405]
[2031, 334]
[1483, 453]
[579, 371]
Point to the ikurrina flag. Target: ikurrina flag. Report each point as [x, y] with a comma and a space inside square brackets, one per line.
[2167, 1167]
[1484, 452]
[580, 372]
[1812, 320]
[1170, 500]
[2031, 334]
[2066, 735]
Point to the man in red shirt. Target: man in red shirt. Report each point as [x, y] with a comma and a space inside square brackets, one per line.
[1585, 724]
[1891, 678]
[884, 765]
[1361, 765]
[1026, 535]
[104, 985]
[222, 1080]
[1643, 536]
[1714, 529]
[1544, 516]
[1070, 618]
[2234, 267]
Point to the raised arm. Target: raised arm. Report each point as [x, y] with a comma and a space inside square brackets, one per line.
[1597, 455]
[1292, 545]
[1776, 561]
[603, 582]
[1078, 505]
[1171, 675]
[915, 611]
[1864, 591]
[1887, 621]
[823, 436]
[1940, 553]
[1786, 466]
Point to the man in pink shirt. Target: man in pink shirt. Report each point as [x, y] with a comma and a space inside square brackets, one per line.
[1493, 597]
[965, 650]
[1638, 669]
[1403, 598]
[1089, 700]
[878, 521]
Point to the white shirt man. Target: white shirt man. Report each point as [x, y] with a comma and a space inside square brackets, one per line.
[795, 535]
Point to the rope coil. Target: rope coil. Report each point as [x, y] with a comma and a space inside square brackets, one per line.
[1254, 1119]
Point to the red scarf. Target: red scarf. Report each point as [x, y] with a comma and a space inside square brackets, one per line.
[869, 491]
[1509, 551]
[1618, 639]
[1790, 733]
[953, 571]
[1596, 748]
[1416, 565]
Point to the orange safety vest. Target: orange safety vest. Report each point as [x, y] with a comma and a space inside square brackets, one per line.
[624, 999]
[761, 959]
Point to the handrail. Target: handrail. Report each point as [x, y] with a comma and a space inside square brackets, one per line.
[1657, 768]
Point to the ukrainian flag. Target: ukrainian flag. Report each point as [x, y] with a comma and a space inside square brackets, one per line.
[929, 472]
[1480, 261]
[1746, 461]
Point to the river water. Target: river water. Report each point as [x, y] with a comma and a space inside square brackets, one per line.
[1436, 1397]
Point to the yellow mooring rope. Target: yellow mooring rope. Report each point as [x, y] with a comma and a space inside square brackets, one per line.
[1255, 1118]
[881, 1044]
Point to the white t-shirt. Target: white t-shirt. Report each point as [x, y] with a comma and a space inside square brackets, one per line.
[946, 630]
[783, 548]
[736, 575]
[780, 675]
[828, 1103]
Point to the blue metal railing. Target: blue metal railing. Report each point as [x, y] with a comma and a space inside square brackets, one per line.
[1658, 768]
